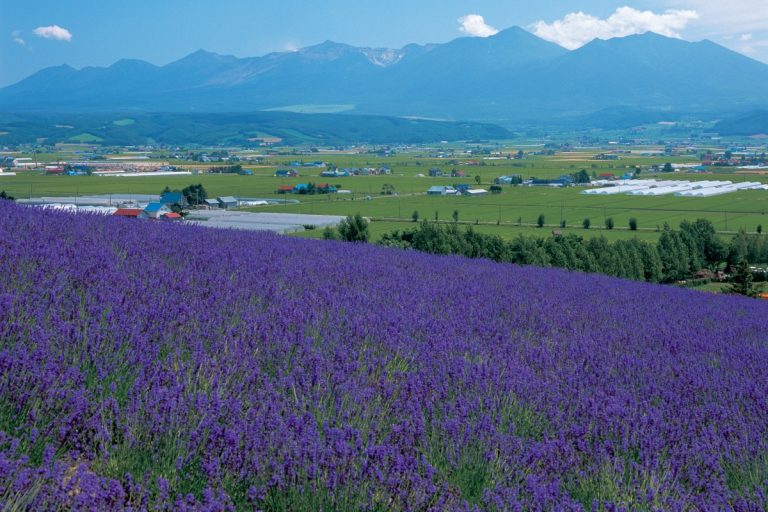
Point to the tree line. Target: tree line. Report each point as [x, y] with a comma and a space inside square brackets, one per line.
[679, 254]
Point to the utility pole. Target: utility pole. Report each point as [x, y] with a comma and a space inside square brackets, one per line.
[562, 205]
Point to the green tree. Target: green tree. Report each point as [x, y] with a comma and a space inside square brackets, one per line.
[711, 250]
[606, 261]
[415, 216]
[674, 256]
[742, 280]
[329, 233]
[195, 194]
[609, 223]
[455, 216]
[5, 196]
[759, 229]
[586, 223]
[667, 167]
[652, 266]
[581, 177]
[632, 224]
[354, 229]
[540, 220]
[478, 179]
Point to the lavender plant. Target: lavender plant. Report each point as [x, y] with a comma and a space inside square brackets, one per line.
[167, 367]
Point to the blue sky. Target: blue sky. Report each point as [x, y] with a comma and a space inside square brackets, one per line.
[38, 33]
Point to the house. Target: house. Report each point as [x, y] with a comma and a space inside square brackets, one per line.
[211, 203]
[128, 212]
[173, 198]
[462, 187]
[227, 202]
[171, 216]
[435, 172]
[441, 190]
[246, 172]
[284, 189]
[475, 192]
[509, 180]
[455, 173]
[562, 181]
[286, 173]
[154, 211]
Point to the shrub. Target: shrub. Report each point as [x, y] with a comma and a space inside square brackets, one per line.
[354, 229]
[330, 233]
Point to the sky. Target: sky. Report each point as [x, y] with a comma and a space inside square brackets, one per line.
[35, 34]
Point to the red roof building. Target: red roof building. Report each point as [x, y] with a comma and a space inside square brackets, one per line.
[172, 216]
[128, 212]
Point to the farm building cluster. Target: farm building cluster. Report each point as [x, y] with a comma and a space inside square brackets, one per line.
[455, 190]
[335, 172]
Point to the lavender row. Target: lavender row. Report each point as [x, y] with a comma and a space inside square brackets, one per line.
[167, 367]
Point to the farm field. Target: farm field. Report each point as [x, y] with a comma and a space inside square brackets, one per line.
[729, 213]
[275, 373]
[514, 206]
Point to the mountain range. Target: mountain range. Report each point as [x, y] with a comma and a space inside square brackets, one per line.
[509, 78]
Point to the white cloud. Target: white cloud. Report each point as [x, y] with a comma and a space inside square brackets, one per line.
[577, 28]
[745, 37]
[474, 25]
[16, 35]
[53, 32]
[719, 17]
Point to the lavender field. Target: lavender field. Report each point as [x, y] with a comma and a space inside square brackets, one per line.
[169, 367]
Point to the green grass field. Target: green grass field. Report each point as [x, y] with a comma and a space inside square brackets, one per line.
[505, 231]
[512, 212]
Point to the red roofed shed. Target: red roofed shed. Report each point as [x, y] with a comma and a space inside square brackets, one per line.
[127, 212]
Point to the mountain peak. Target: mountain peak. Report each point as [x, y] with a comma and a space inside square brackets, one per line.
[510, 75]
[203, 58]
[131, 65]
[513, 31]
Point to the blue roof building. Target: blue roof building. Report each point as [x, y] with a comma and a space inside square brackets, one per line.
[173, 198]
